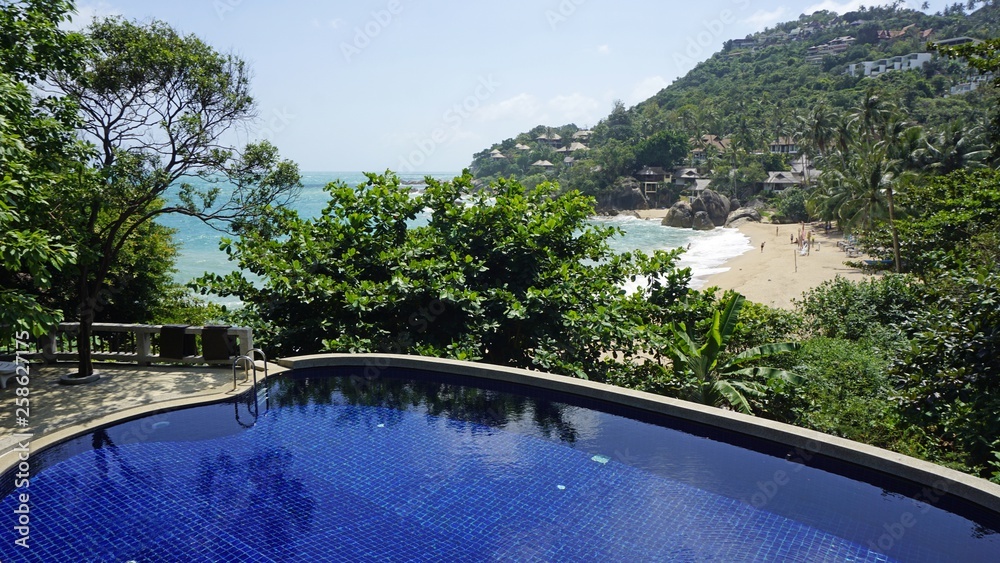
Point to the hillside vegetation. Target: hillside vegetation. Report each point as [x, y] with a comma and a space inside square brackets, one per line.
[754, 95]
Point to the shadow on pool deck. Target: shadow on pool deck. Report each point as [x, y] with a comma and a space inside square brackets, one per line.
[122, 391]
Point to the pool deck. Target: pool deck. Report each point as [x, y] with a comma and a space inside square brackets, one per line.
[57, 411]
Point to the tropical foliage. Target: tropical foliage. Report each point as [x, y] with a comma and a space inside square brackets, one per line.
[778, 89]
[37, 152]
[509, 275]
[153, 106]
[706, 376]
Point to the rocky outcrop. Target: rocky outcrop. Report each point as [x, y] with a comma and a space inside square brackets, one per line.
[743, 215]
[716, 205]
[626, 194]
[680, 216]
[702, 221]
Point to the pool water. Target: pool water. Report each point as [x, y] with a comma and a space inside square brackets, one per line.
[419, 467]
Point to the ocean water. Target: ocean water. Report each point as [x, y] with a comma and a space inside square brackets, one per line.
[199, 243]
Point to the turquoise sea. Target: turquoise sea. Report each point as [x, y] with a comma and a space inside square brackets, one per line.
[199, 244]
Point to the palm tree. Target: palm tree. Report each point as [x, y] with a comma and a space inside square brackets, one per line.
[709, 379]
[870, 115]
[861, 191]
[955, 147]
[906, 145]
[818, 128]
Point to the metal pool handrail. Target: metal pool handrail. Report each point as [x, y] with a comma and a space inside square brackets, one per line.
[248, 359]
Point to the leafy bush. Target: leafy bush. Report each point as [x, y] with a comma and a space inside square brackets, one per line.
[950, 375]
[705, 373]
[760, 324]
[848, 392]
[791, 206]
[506, 275]
[844, 309]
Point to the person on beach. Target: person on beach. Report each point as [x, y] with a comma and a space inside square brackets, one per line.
[762, 247]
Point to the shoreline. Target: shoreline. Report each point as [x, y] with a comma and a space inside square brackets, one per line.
[777, 274]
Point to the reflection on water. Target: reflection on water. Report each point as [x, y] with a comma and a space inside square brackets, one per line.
[465, 408]
[254, 494]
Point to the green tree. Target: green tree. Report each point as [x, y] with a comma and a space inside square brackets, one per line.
[707, 377]
[616, 159]
[665, 148]
[505, 275]
[949, 376]
[791, 206]
[984, 57]
[860, 189]
[955, 147]
[817, 129]
[951, 226]
[37, 152]
[157, 104]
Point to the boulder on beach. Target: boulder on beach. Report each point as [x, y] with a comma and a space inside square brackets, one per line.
[713, 203]
[625, 194]
[680, 216]
[744, 215]
[702, 221]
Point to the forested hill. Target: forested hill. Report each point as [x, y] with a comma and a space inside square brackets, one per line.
[761, 88]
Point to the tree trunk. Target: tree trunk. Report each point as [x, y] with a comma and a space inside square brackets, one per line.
[892, 227]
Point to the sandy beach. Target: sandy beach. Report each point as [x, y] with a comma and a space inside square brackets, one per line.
[777, 274]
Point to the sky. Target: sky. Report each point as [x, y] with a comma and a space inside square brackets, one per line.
[370, 85]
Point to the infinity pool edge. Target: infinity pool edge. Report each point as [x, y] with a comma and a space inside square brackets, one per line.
[935, 478]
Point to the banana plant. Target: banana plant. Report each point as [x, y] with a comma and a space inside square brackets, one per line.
[710, 380]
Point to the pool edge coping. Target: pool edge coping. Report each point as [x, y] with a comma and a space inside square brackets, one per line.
[10, 459]
[937, 480]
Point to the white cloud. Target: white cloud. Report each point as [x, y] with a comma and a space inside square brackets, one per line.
[851, 5]
[521, 107]
[835, 6]
[335, 23]
[576, 108]
[646, 88]
[761, 18]
[557, 110]
[603, 49]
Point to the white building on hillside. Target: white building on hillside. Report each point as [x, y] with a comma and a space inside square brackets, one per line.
[913, 61]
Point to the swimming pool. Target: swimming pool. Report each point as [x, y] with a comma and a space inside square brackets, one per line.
[350, 463]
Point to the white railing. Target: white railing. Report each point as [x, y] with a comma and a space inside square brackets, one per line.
[139, 343]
